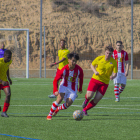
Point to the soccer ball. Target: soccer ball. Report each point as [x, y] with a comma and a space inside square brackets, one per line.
[78, 115]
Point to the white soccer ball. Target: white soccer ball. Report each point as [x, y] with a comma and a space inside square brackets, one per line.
[78, 115]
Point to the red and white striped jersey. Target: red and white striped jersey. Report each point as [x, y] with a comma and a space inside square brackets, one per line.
[120, 57]
[69, 78]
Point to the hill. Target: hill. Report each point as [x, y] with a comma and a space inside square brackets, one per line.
[86, 32]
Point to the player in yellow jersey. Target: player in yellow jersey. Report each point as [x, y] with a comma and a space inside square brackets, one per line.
[105, 69]
[63, 59]
[4, 75]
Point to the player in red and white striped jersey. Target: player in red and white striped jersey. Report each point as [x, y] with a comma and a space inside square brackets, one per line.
[121, 57]
[70, 74]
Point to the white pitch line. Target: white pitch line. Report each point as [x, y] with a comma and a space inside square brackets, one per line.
[80, 106]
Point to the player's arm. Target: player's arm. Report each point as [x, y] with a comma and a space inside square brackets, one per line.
[113, 76]
[8, 77]
[94, 69]
[127, 68]
[114, 71]
[52, 64]
[81, 76]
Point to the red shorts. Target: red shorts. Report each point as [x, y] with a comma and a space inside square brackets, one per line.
[2, 87]
[97, 85]
[57, 71]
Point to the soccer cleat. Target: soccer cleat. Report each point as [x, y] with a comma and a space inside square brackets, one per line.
[117, 99]
[55, 112]
[84, 104]
[3, 114]
[85, 113]
[49, 117]
[52, 96]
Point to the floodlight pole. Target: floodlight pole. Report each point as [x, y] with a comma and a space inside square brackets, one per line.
[40, 38]
[131, 39]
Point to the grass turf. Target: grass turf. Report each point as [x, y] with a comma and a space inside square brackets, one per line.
[109, 120]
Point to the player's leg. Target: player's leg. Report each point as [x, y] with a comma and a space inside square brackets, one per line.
[69, 98]
[117, 80]
[53, 95]
[121, 88]
[88, 96]
[93, 102]
[55, 105]
[123, 84]
[6, 102]
[102, 87]
[92, 87]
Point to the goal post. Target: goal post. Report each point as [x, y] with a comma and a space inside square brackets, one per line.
[27, 45]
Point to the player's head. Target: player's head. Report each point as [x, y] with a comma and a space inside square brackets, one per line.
[72, 59]
[119, 46]
[62, 43]
[2, 45]
[7, 56]
[108, 52]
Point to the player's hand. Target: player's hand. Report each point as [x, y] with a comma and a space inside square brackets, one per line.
[10, 81]
[111, 77]
[126, 74]
[52, 64]
[56, 93]
[4, 83]
[96, 73]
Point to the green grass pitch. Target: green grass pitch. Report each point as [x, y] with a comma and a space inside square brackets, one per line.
[109, 120]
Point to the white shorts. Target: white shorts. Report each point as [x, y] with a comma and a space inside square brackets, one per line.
[120, 79]
[69, 93]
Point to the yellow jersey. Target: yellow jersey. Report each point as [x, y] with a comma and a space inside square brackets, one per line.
[63, 54]
[3, 69]
[105, 68]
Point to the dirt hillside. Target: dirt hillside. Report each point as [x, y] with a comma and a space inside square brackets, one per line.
[85, 33]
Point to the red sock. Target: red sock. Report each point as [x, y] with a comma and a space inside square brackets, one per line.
[5, 107]
[53, 108]
[62, 107]
[116, 91]
[121, 89]
[90, 105]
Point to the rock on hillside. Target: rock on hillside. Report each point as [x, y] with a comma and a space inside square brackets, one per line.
[85, 33]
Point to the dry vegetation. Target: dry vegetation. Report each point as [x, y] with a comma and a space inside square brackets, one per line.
[87, 26]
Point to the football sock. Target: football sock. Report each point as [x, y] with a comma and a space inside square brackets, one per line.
[90, 105]
[53, 108]
[121, 89]
[87, 100]
[116, 91]
[5, 107]
[62, 107]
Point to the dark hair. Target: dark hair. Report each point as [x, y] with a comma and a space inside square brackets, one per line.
[109, 48]
[75, 55]
[7, 52]
[119, 42]
[62, 40]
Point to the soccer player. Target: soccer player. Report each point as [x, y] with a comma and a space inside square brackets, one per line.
[63, 60]
[105, 69]
[121, 57]
[4, 75]
[70, 74]
[2, 50]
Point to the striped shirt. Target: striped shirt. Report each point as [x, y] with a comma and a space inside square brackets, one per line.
[70, 78]
[120, 57]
